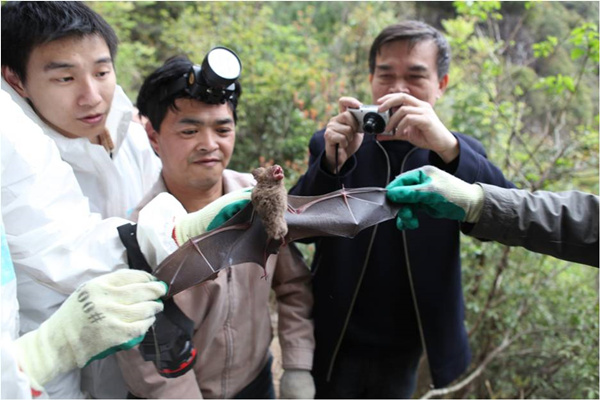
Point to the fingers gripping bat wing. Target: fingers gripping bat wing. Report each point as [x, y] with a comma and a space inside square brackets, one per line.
[242, 239]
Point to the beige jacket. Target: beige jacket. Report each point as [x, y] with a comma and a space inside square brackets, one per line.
[232, 324]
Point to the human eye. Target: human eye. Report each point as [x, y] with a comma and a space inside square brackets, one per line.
[189, 131]
[385, 76]
[224, 130]
[103, 74]
[63, 79]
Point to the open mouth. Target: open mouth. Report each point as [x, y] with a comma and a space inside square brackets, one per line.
[278, 172]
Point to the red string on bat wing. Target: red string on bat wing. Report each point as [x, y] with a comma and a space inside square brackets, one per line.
[243, 239]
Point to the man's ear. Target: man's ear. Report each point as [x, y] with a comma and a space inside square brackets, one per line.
[443, 84]
[152, 136]
[14, 81]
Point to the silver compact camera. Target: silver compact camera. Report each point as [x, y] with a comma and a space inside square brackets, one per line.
[370, 121]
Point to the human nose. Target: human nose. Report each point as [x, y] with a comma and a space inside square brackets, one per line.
[90, 94]
[399, 86]
[207, 143]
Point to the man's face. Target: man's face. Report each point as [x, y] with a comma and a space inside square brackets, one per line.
[71, 83]
[195, 144]
[401, 69]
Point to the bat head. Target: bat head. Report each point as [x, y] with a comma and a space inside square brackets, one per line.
[273, 173]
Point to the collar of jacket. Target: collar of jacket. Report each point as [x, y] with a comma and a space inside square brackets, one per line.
[232, 180]
[117, 123]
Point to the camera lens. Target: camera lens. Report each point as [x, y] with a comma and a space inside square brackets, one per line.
[373, 124]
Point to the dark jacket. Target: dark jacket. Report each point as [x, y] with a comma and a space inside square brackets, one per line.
[380, 292]
[563, 225]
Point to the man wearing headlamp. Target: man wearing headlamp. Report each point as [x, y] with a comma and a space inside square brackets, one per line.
[191, 113]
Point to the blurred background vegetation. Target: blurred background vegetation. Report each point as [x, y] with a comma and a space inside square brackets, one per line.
[523, 80]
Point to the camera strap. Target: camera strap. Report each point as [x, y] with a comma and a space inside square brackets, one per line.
[169, 342]
[337, 172]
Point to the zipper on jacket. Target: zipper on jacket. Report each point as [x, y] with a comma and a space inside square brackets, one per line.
[228, 338]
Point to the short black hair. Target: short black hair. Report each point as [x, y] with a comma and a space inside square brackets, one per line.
[151, 101]
[414, 32]
[28, 24]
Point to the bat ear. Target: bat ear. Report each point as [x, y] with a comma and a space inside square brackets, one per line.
[257, 172]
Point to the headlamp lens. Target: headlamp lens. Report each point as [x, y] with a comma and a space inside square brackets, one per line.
[224, 63]
[213, 82]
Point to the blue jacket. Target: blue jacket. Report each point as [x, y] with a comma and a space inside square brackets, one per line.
[368, 305]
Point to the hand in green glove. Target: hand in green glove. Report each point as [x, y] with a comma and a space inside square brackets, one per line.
[438, 193]
[104, 315]
[212, 216]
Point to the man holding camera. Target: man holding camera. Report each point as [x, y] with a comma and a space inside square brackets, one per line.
[386, 297]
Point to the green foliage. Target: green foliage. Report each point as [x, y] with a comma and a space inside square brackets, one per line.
[540, 125]
[585, 40]
[523, 80]
[480, 10]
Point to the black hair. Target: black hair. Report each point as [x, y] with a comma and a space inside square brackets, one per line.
[28, 24]
[414, 32]
[151, 101]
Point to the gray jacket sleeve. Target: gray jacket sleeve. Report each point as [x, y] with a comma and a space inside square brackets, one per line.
[563, 225]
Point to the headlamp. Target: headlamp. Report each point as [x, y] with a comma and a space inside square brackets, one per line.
[213, 82]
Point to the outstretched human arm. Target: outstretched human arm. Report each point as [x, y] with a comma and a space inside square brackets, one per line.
[564, 225]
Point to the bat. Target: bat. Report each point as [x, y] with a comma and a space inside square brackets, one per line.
[269, 199]
[243, 238]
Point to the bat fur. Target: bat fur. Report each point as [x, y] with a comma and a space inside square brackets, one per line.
[269, 199]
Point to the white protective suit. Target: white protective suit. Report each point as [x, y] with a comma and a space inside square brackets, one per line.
[15, 384]
[60, 243]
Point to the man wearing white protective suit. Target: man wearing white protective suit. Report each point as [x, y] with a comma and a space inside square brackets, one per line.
[55, 240]
[58, 57]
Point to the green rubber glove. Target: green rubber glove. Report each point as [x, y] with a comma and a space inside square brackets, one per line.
[104, 315]
[436, 192]
[212, 216]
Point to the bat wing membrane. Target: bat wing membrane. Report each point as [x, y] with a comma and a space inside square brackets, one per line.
[242, 239]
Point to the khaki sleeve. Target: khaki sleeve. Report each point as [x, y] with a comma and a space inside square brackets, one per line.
[292, 286]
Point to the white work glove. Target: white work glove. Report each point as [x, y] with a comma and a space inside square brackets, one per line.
[104, 315]
[212, 216]
[296, 384]
[438, 193]
[163, 224]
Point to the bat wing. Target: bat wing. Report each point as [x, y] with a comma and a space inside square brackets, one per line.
[242, 239]
[343, 213]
